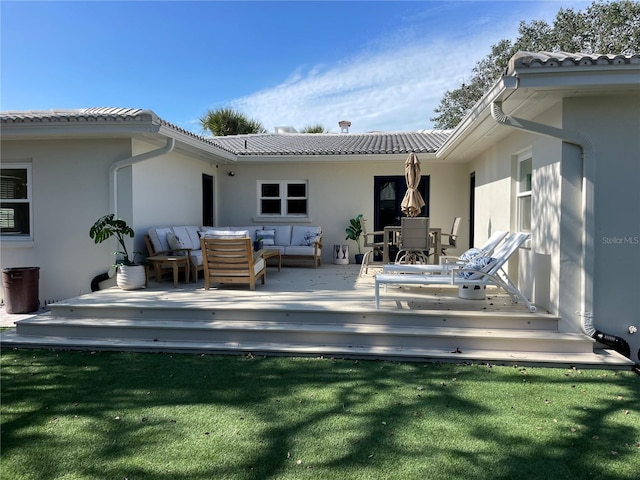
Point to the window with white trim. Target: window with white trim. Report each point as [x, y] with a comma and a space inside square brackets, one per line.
[15, 201]
[285, 198]
[524, 192]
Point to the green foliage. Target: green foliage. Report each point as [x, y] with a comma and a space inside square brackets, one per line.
[226, 121]
[107, 415]
[602, 28]
[107, 227]
[354, 230]
[315, 128]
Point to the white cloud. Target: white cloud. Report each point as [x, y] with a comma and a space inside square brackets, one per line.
[392, 90]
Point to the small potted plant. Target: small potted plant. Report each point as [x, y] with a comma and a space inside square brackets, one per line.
[257, 244]
[354, 231]
[131, 275]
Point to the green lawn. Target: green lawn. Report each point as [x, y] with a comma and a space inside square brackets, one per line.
[88, 415]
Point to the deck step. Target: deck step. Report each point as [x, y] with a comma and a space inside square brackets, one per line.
[433, 318]
[335, 334]
[595, 359]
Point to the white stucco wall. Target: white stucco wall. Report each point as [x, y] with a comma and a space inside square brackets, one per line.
[167, 191]
[535, 268]
[340, 191]
[70, 192]
[617, 206]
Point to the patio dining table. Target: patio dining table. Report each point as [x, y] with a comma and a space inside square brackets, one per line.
[392, 235]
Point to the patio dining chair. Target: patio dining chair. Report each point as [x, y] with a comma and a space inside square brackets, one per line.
[452, 236]
[414, 240]
[370, 241]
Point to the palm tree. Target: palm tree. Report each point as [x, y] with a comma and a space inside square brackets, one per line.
[316, 128]
[226, 121]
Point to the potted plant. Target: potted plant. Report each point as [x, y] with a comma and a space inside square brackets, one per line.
[131, 276]
[257, 244]
[354, 231]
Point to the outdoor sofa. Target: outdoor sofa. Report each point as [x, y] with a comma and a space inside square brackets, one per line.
[295, 242]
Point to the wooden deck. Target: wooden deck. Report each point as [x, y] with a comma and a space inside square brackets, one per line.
[300, 311]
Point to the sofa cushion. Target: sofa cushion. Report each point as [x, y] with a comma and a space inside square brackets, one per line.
[158, 237]
[304, 235]
[299, 250]
[188, 234]
[283, 234]
[268, 237]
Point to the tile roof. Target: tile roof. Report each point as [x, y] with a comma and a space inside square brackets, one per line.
[427, 141]
[564, 59]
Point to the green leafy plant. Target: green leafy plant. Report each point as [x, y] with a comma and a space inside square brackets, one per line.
[108, 226]
[354, 231]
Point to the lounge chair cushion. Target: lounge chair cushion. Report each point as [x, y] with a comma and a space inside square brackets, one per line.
[476, 267]
[470, 254]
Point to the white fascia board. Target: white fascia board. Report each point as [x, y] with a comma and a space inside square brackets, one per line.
[16, 131]
[198, 147]
[572, 78]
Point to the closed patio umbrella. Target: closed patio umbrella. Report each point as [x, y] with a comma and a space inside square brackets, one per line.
[412, 202]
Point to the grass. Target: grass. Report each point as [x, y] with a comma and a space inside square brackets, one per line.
[101, 415]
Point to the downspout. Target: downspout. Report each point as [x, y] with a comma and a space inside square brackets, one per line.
[127, 162]
[113, 192]
[588, 178]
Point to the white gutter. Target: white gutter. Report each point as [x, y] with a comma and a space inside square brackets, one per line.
[127, 162]
[588, 211]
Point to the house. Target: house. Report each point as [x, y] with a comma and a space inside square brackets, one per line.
[553, 148]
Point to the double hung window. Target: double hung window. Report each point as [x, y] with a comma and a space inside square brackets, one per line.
[286, 198]
[15, 201]
[524, 192]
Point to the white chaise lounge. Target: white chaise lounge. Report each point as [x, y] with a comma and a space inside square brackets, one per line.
[486, 271]
[448, 262]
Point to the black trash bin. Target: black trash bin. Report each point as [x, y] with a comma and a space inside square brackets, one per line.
[21, 289]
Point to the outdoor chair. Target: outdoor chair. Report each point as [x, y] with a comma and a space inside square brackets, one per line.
[485, 271]
[232, 260]
[452, 236]
[449, 262]
[414, 240]
[369, 239]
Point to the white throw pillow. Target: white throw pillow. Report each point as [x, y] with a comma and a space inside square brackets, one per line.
[176, 244]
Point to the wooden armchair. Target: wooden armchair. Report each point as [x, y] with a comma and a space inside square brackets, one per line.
[231, 260]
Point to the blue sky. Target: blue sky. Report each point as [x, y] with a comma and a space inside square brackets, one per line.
[382, 65]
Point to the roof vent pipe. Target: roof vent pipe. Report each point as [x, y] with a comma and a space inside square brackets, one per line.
[344, 126]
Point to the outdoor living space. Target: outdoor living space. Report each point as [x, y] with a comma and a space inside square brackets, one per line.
[328, 312]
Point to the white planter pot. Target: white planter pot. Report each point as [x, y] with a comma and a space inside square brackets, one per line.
[130, 277]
